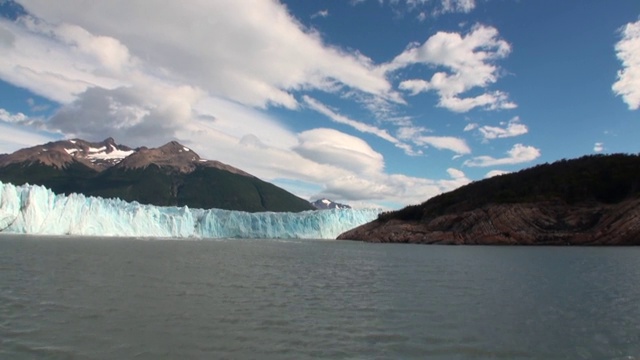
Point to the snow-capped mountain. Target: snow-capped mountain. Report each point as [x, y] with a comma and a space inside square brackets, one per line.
[170, 175]
[97, 156]
[102, 155]
[326, 204]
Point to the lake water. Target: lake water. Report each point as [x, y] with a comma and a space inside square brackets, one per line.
[74, 298]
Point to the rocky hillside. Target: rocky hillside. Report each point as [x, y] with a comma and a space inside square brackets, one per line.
[326, 204]
[593, 200]
[62, 154]
[171, 175]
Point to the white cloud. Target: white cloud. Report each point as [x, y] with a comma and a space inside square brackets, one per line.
[457, 145]
[416, 136]
[345, 167]
[48, 61]
[341, 119]
[455, 173]
[489, 101]
[134, 115]
[518, 154]
[469, 60]
[321, 13]
[458, 179]
[13, 138]
[12, 118]
[436, 7]
[512, 128]
[493, 173]
[255, 57]
[328, 146]
[196, 72]
[470, 127]
[464, 6]
[598, 147]
[401, 188]
[628, 51]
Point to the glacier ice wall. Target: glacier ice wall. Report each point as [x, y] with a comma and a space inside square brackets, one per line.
[32, 209]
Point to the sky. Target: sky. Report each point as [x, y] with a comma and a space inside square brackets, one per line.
[379, 103]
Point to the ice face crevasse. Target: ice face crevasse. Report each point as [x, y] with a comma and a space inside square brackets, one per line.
[32, 209]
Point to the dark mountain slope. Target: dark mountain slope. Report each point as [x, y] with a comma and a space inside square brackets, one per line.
[171, 175]
[591, 200]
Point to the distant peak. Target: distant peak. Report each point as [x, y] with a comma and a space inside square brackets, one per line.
[173, 145]
[172, 154]
[324, 203]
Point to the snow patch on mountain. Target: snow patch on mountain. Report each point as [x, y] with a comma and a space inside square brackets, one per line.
[326, 204]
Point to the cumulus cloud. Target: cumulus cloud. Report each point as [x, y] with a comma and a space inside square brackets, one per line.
[469, 61]
[510, 129]
[12, 118]
[403, 189]
[458, 179]
[20, 119]
[628, 51]
[129, 114]
[598, 147]
[343, 166]
[517, 155]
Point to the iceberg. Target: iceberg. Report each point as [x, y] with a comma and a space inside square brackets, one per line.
[33, 209]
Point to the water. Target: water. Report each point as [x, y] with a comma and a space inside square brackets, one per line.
[73, 298]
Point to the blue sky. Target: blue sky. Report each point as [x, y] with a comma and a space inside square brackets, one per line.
[368, 102]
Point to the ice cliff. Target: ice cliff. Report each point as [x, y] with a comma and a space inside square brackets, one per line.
[31, 209]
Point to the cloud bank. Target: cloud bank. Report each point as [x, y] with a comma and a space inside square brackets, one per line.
[204, 72]
[628, 51]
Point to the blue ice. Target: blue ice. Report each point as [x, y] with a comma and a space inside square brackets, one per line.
[32, 209]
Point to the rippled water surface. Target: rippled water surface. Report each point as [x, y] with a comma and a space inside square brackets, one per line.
[73, 298]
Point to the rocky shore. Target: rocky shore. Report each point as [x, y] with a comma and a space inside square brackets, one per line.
[540, 223]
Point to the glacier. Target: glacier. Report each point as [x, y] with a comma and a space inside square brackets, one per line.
[33, 209]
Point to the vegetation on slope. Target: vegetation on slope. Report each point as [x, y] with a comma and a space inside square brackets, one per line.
[597, 178]
[205, 187]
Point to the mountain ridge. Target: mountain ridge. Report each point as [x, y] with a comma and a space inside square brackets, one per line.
[326, 204]
[170, 175]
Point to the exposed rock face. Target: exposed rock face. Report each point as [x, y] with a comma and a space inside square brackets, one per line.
[173, 155]
[60, 154]
[102, 155]
[170, 175]
[326, 204]
[543, 223]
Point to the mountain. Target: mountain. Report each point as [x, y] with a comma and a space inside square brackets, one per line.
[326, 204]
[171, 175]
[64, 154]
[593, 200]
